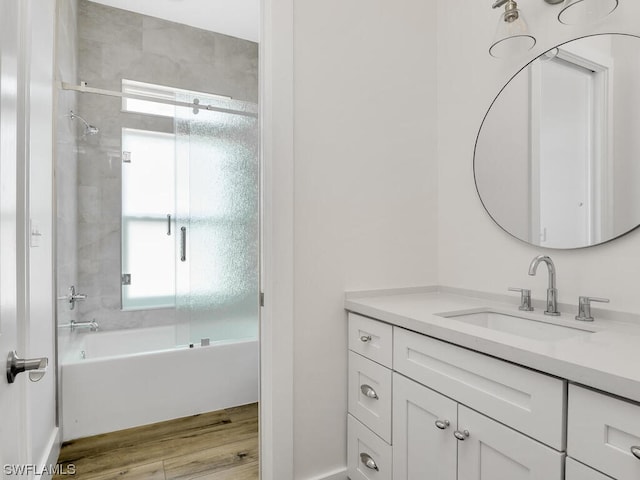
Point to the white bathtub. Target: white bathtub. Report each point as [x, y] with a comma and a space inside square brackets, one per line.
[135, 377]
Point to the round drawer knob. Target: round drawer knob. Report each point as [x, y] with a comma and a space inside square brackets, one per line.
[636, 451]
[443, 424]
[462, 436]
[365, 338]
[369, 462]
[368, 391]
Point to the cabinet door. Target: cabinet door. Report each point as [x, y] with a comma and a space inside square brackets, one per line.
[421, 449]
[495, 452]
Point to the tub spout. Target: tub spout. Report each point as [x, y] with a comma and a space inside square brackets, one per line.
[93, 325]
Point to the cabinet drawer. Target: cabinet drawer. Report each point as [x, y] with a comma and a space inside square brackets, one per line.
[602, 431]
[527, 401]
[495, 452]
[371, 339]
[365, 446]
[577, 471]
[370, 394]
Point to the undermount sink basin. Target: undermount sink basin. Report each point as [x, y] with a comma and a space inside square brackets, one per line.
[515, 325]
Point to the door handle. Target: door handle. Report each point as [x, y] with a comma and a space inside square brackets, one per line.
[36, 367]
[183, 244]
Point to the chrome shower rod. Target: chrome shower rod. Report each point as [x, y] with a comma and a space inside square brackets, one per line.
[194, 105]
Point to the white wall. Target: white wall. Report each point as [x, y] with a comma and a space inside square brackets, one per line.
[472, 251]
[365, 190]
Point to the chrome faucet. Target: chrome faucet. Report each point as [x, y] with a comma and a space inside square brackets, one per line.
[552, 291]
[93, 325]
[72, 297]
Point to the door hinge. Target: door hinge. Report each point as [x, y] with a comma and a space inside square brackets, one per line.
[126, 279]
[262, 299]
[126, 157]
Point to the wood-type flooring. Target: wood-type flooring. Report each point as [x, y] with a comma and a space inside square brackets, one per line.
[220, 445]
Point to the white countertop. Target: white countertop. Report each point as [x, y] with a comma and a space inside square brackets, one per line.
[607, 359]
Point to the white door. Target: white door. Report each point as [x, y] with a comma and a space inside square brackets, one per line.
[12, 396]
[423, 424]
[495, 452]
[564, 168]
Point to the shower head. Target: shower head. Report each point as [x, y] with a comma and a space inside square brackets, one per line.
[88, 129]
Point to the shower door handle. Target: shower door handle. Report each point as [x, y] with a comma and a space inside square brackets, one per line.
[183, 244]
[168, 224]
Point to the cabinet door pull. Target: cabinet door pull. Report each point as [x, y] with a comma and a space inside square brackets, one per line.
[443, 424]
[462, 436]
[635, 450]
[368, 391]
[369, 462]
[365, 338]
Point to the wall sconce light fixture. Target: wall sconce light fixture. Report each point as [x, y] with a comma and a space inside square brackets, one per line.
[513, 38]
[512, 35]
[578, 12]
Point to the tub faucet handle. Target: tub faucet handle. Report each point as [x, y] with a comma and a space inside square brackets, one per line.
[72, 297]
[584, 307]
[525, 298]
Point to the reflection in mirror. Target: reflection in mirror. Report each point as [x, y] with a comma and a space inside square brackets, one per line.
[555, 160]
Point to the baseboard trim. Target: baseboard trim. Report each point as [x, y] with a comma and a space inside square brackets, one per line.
[50, 458]
[340, 474]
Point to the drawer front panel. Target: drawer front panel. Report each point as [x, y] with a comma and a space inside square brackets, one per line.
[370, 394]
[602, 432]
[578, 471]
[368, 456]
[495, 452]
[371, 339]
[527, 401]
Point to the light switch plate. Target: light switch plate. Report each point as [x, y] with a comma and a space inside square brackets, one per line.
[36, 235]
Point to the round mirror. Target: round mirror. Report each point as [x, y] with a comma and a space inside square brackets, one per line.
[556, 162]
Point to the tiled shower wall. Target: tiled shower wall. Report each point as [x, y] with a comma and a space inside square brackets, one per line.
[113, 45]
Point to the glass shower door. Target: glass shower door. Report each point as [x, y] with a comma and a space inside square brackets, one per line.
[217, 225]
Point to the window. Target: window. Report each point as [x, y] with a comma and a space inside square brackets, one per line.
[148, 213]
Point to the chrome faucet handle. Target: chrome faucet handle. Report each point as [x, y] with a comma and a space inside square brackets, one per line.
[584, 307]
[525, 298]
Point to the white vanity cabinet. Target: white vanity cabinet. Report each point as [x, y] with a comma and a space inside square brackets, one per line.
[421, 408]
[425, 425]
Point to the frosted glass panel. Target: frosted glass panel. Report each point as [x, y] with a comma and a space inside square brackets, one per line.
[148, 196]
[148, 256]
[218, 204]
